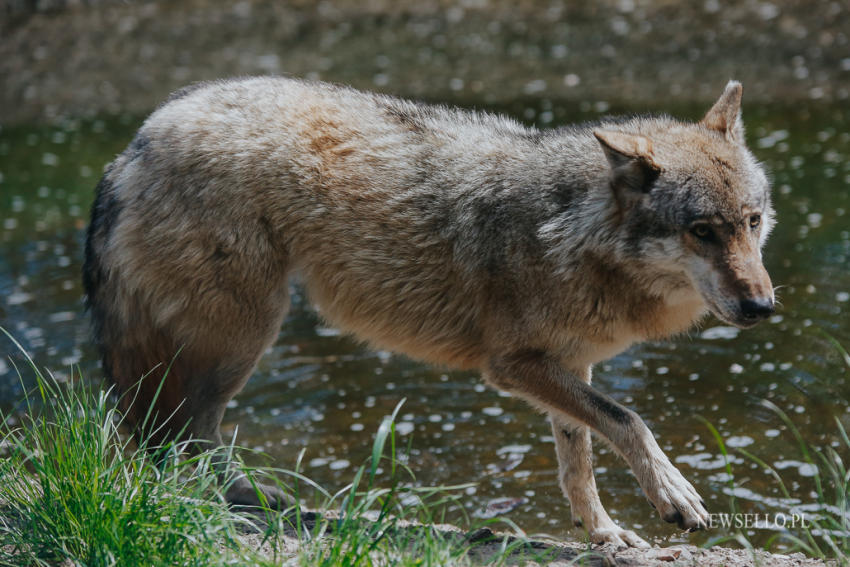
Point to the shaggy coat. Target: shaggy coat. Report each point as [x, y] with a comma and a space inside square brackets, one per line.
[460, 238]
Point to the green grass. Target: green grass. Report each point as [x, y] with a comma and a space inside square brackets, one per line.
[75, 490]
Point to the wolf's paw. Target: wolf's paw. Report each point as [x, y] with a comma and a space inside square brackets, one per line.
[243, 493]
[676, 499]
[618, 537]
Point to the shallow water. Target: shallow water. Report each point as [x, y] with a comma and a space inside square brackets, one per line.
[322, 391]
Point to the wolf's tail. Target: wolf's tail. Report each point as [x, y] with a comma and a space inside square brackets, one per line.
[139, 361]
[105, 212]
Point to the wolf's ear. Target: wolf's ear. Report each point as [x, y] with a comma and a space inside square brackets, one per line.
[631, 159]
[725, 115]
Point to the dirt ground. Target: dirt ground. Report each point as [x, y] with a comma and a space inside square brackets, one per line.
[485, 544]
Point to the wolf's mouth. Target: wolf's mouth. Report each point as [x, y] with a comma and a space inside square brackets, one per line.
[738, 319]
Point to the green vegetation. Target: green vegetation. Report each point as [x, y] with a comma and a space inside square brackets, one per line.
[75, 490]
[71, 488]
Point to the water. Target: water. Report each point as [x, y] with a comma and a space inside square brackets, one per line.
[320, 390]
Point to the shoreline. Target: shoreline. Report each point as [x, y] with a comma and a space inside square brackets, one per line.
[79, 59]
[485, 544]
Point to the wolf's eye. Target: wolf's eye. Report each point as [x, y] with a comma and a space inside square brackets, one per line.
[755, 221]
[703, 232]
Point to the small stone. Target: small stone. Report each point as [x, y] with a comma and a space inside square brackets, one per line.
[668, 554]
[480, 535]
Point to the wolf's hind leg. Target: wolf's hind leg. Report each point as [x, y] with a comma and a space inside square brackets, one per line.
[205, 429]
[208, 398]
[575, 472]
[241, 490]
[200, 363]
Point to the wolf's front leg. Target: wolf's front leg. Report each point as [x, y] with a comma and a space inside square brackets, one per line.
[539, 378]
[575, 471]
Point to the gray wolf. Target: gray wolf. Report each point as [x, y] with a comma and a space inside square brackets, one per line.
[460, 238]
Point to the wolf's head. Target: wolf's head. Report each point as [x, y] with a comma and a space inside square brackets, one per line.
[693, 201]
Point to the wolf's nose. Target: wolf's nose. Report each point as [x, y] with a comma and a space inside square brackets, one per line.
[757, 308]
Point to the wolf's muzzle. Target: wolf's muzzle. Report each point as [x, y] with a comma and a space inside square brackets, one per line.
[757, 308]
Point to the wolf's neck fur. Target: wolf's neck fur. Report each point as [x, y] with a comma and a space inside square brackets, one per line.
[583, 245]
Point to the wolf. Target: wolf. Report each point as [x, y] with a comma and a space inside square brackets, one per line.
[456, 237]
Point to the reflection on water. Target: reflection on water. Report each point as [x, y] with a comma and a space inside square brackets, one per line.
[323, 391]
